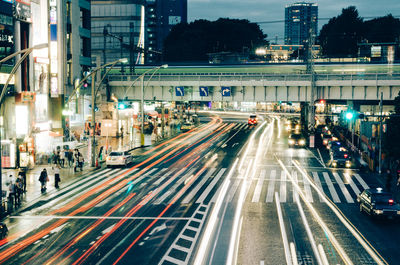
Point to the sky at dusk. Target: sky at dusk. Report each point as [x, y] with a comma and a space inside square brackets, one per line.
[272, 10]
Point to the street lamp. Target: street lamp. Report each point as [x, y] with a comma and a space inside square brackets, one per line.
[94, 93]
[141, 77]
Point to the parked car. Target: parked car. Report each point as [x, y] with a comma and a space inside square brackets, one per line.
[378, 203]
[334, 146]
[119, 158]
[296, 140]
[326, 137]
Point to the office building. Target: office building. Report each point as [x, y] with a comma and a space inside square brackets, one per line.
[161, 17]
[300, 19]
[118, 31]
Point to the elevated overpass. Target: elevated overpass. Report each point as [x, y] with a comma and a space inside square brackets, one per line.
[267, 83]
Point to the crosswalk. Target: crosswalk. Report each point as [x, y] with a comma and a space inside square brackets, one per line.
[338, 187]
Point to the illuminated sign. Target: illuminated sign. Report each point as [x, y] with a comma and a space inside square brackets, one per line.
[173, 20]
[21, 124]
[4, 77]
[28, 96]
[22, 9]
[376, 51]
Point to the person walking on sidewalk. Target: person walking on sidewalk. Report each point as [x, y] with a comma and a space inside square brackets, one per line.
[57, 178]
[70, 157]
[18, 191]
[22, 173]
[11, 194]
[44, 178]
[80, 161]
[62, 158]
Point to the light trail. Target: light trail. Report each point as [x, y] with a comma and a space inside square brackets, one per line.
[346, 222]
[333, 239]
[285, 241]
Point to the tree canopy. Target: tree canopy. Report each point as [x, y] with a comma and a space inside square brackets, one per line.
[341, 35]
[193, 41]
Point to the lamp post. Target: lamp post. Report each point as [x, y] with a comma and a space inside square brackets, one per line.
[141, 77]
[94, 93]
[26, 52]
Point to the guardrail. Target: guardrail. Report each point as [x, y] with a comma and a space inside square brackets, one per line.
[253, 77]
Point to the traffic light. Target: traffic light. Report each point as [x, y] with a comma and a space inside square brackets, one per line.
[349, 115]
[121, 105]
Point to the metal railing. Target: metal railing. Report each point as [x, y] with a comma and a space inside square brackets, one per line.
[255, 77]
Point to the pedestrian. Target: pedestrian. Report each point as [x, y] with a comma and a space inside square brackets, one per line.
[62, 158]
[57, 178]
[11, 193]
[81, 161]
[18, 191]
[22, 173]
[388, 179]
[44, 178]
[70, 158]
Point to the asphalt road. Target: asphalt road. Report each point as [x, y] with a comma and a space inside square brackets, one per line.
[285, 206]
[224, 193]
[152, 212]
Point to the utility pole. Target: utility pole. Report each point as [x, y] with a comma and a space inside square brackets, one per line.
[162, 119]
[93, 121]
[380, 132]
[310, 71]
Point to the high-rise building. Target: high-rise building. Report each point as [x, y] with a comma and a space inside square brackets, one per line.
[118, 31]
[300, 19]
[161, 17]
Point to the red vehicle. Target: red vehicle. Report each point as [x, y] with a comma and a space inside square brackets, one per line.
[252, 120]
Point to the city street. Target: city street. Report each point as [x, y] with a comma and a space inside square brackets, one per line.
[151, 212]
[223, 193]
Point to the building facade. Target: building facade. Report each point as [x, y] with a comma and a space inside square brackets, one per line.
[161, 17]
[118, 31]
[300, 20]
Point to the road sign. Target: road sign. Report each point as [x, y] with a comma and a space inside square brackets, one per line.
[179, 91]
[226, 91]
[203, 91]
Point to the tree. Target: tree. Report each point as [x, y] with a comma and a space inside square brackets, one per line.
[193, 41]
[339, 37]
[382, 29]
[392, 143]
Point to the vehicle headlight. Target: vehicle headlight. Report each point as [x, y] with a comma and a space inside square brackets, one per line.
[378, 211]
[398, 212]
[122, 158]
[291, 141]
[325, 141]
[302, 142]
[348, 164]
[334, 164]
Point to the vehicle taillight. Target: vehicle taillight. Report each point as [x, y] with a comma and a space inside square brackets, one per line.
[346, 155]
[391, 201]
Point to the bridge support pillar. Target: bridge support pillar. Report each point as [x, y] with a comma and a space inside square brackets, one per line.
[304, 115]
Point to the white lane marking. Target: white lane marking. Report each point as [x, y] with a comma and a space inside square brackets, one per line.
[161, 178]
[233, 190]
[271, 187]
[362, 182]
[283, 187]
[352, 184]
[308, 231]
[210, 186]
[295, 180]
[257, 190]
[307, 189]
[318, 183]
[346, 193]
[331, 188]
[196, 189]
[107, 230]
[262, 262]
[322, 160]
[283, 231]
[175, 186]
[293, 252]
[323, 255]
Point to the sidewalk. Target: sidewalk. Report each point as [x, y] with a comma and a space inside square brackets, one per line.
[67, 173]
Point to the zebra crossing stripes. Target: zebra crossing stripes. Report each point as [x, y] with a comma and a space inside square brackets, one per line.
[282, 196]
[362, 182]
[210, 186]
[307, 189]
[346, 193]
[331, 188]
[318, 183]
[295, 193]
[260, 182]
[352, 184]
[190, 196]
[271, 187]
